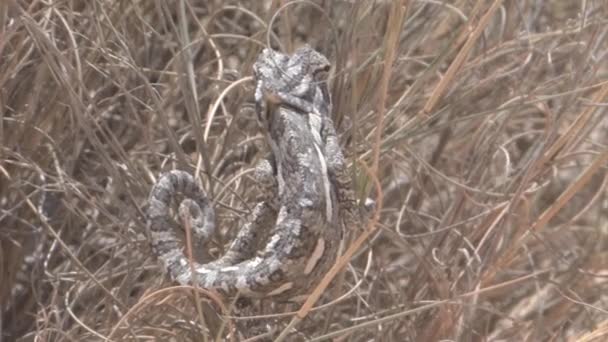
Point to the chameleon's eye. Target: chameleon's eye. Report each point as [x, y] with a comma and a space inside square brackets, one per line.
[320, 74]
[323, 69]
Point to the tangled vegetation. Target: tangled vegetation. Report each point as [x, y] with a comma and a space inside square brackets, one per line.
[479, 126]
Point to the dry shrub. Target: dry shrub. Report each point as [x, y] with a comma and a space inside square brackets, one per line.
[482, 122]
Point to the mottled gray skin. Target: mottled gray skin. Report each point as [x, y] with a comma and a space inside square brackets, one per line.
[292, 238]
[296, 81]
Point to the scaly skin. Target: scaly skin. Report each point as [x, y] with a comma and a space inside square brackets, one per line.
[281, 251]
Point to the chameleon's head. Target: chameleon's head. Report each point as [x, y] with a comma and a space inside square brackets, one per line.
[318, 65]
[297, 81]
[285, 71]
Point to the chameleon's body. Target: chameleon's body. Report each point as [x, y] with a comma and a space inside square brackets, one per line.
[292, 240]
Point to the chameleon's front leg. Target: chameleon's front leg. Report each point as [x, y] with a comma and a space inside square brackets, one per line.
[336, 167]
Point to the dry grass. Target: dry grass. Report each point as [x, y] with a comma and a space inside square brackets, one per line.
[481, 126]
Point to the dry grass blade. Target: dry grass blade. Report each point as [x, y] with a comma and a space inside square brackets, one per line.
[480, 125]
[599, 164]
[457, 63]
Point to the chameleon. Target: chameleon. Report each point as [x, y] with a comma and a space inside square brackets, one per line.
[293, 234]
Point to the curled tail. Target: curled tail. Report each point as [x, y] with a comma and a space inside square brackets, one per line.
[166, 245]
[239, 270]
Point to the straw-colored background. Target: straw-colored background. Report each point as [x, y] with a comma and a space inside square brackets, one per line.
[480, 124]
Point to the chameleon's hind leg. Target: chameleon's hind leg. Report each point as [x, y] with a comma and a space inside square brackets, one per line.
[253, 234]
